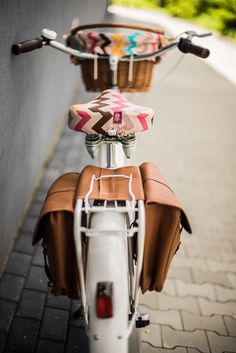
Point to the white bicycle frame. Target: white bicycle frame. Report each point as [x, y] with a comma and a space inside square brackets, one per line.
[109, 227]
[109, 259]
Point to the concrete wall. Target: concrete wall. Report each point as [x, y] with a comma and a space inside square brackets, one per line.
[35, 91]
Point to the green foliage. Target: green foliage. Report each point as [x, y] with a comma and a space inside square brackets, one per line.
[182, 8]
[218, 15]
[224, 18]
[137, 3]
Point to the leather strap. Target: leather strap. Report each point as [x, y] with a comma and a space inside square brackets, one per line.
[46, 266]
[116, 25]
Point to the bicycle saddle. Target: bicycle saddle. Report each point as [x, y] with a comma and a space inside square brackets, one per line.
[110, 114]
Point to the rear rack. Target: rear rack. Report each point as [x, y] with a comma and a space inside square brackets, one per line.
[107, 205]
[138, 228]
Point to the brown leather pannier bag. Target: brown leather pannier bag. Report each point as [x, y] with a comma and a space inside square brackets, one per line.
[164, 221]
[55, 228]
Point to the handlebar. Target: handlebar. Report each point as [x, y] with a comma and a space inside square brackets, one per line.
[48, 37]
[27, 45]
[186, 46]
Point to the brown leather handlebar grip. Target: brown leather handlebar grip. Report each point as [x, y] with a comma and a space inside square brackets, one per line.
[186, 46]
[26, 46]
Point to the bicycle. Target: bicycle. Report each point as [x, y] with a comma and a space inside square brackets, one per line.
[113, 212]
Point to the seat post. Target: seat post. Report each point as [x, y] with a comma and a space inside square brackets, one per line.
[111, 155]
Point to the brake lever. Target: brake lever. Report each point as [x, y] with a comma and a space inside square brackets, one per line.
[204, 35]
[192, 34]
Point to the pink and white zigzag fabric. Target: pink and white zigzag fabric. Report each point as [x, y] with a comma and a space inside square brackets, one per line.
[110, 112]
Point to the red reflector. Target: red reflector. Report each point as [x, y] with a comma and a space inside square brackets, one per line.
[104, 307]
[104, 300]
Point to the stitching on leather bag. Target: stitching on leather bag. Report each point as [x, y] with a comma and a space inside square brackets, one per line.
[71, 188]
[159, 182]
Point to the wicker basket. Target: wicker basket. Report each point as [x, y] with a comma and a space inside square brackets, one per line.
[141, 75]
[138, 81]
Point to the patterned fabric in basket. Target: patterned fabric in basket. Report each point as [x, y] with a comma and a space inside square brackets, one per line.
[119, 44]
[110, 113]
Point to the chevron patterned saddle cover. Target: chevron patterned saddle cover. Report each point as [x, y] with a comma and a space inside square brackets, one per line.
[110, 113]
